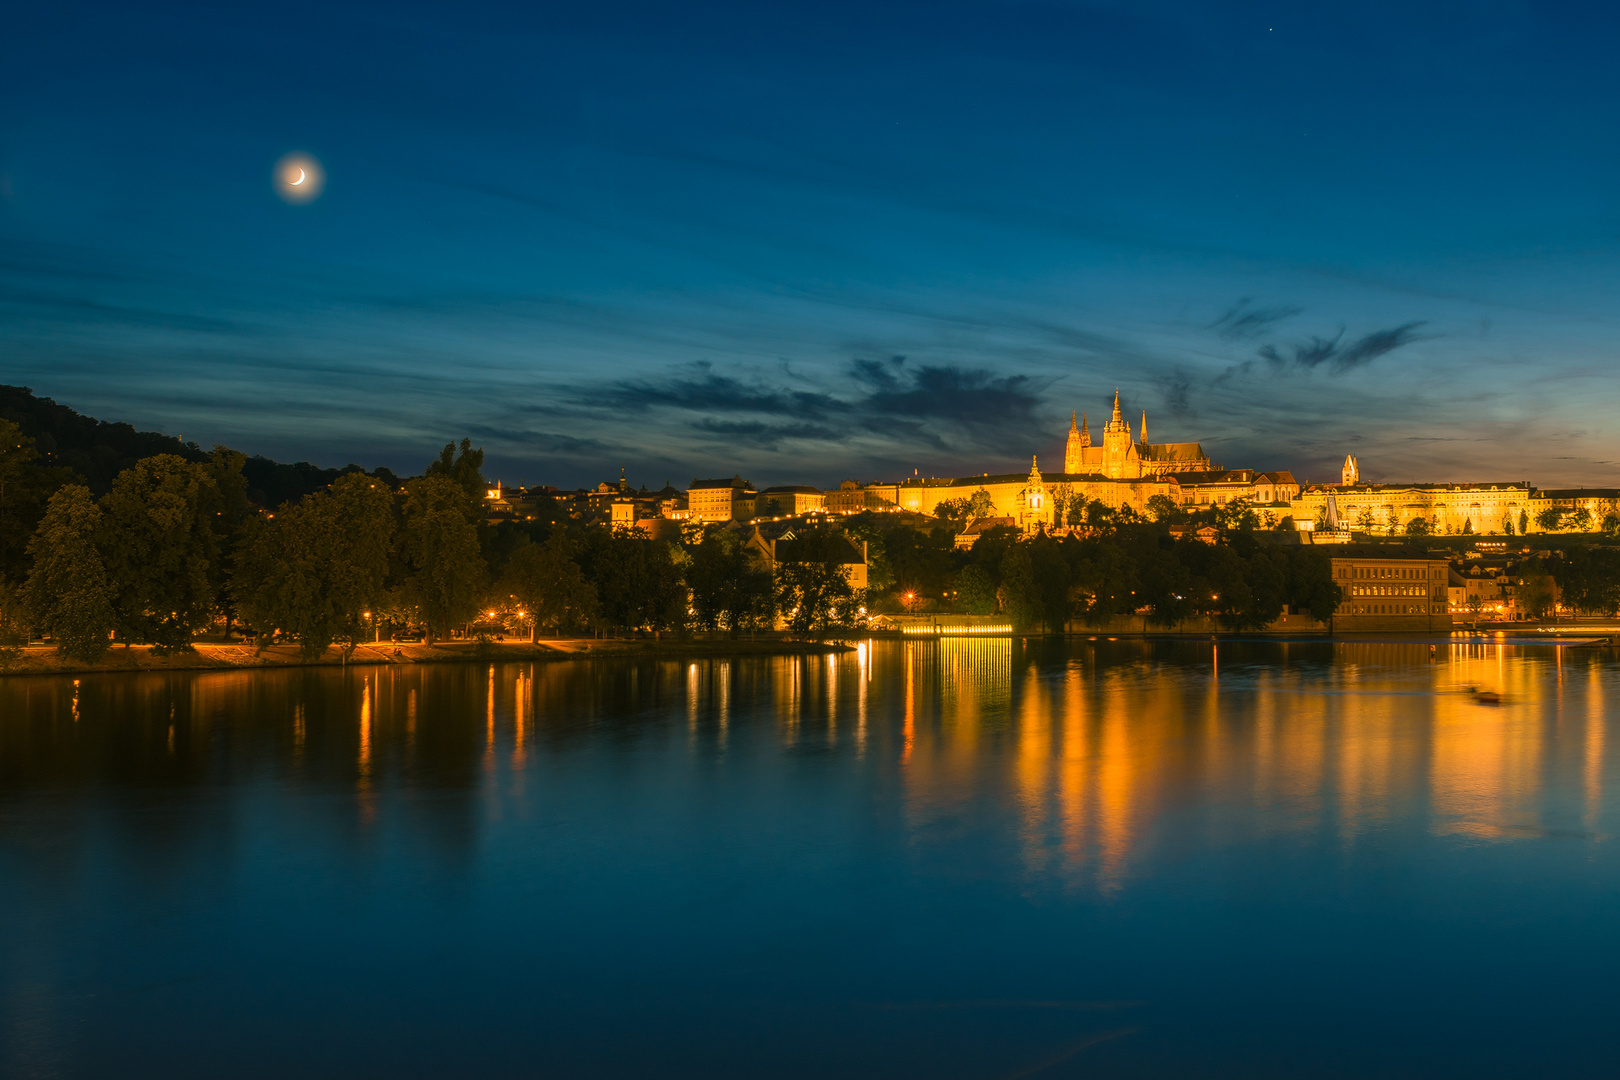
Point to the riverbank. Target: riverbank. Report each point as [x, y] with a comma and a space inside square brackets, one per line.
[215, 656]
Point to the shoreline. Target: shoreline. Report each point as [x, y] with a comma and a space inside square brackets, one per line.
[212, 656]
[216, 656]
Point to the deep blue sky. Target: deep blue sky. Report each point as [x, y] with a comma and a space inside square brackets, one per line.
[824, 241]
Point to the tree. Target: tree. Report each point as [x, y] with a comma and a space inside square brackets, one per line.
[546, 586]
[25, 486]
[1507, 524]
[1589, 579]
[1163, 509]
[232, 510]
[440, 544]
[1611, 523]
[68, 591]
[1418, 526]
[1536, 595]
[865, 529]
[1240, 515]
[1062, 495]
[16, 454]
[1365, 518]
[13, 623]
[319, 569]
[810, 593]
[1035, 585]
[160, 549]
[639, 582]
[954, 511]
[1468, 526]
[1104, 580]
[1099, 514]
[976, 590]
[1524, 522]
[1550, 519]
[980, 504]
[1310, 584]
[730, 587]
[1581, 519]
[464, 469]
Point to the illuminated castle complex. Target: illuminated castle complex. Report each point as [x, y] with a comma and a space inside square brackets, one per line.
[1122, 457]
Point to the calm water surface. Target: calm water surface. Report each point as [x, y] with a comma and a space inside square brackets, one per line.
[952, 859]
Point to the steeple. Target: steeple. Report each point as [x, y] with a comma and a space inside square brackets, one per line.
[1034, 470]
[1117, 418]
[1085, 432]
[1351, 473]
[1141, 436]
[1074, 448]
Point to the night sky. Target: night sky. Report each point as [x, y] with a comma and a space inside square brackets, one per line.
[810, 243]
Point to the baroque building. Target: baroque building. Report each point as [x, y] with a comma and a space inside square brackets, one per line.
[1440, 509]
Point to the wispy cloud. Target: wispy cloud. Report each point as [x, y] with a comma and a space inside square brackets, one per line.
[1339, 355]
[1243, 321]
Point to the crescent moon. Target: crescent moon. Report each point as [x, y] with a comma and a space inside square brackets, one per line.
[300, 179]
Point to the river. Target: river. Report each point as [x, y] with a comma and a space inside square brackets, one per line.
[961, 858]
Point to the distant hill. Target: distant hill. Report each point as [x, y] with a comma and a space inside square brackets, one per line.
[99, 450]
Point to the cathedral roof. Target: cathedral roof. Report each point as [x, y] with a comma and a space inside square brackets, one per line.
[1175, 451]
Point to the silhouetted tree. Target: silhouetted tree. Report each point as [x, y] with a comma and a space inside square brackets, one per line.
[440, 544]
[160, 549]
[68, 591]
[320, 566]
[545, 582]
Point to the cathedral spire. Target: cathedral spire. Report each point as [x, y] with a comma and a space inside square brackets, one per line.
[1034, 469]
[1085, 432]
[1118, 418]
[1141, 436]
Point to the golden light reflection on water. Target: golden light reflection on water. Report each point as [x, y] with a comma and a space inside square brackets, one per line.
[1096, 749]
[1592, 765]
[1097, 755]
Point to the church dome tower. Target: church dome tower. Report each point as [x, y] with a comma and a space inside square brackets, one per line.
[1351, 473]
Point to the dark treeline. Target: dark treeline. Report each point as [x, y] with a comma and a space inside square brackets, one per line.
[95, 451]
[176, 547]
[1124, 566]
[1588, 579]
[179, 545]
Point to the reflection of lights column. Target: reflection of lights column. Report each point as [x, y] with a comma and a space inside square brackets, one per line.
[911, 703]
[489, 728]
[691, 699]
[365, 727]
[1595, 732]
[832, 699]
[723, 692]
[863, 655]
[523, 695]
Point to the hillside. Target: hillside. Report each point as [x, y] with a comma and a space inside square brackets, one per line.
[98, 450]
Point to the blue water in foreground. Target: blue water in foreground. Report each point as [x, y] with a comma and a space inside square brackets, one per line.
[932, 859]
